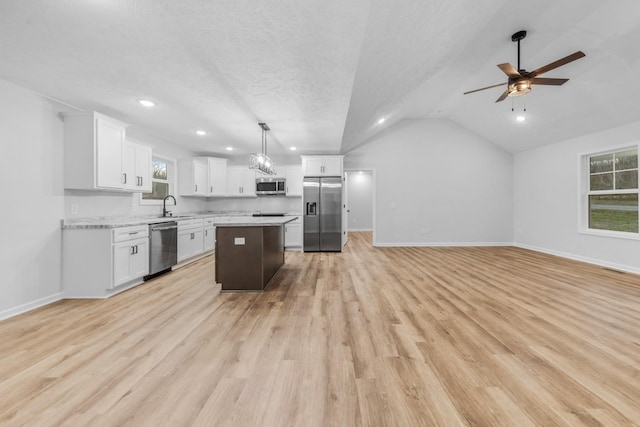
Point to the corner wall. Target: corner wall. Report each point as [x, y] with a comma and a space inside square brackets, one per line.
[32, 201]
[546, 196]
[438, 184]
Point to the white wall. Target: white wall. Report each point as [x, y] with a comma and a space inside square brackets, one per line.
[546, 210]
[360, 200]
[32, 200]
[438, 184]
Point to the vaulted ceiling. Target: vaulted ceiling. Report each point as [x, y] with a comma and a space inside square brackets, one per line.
[323, 73]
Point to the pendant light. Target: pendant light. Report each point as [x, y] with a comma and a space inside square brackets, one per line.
[261, 162]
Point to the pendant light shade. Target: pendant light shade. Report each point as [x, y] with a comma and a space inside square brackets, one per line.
[261, 162]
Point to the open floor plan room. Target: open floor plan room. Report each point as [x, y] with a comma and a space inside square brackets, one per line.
[477, 336]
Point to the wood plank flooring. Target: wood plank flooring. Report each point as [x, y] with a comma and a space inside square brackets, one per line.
[369, 337]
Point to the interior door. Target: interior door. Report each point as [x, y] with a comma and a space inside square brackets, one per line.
[345, 209]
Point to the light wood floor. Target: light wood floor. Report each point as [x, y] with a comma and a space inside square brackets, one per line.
[369, 337]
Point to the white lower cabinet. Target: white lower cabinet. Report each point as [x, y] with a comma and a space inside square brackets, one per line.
[100, 262]
[209, 235]
[130, 260]
[293, 234]
[190, 238]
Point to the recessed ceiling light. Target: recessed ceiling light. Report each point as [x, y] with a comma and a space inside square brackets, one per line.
[292, 148]
[520, 118]
[201, 132]
[229, 148]
[146, 103]
[381, 121]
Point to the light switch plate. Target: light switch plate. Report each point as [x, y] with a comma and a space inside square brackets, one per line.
[238, 240]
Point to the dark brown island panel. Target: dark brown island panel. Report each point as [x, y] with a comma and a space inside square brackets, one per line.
[248, 255]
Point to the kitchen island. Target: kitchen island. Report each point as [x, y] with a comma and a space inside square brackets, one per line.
[249, 252]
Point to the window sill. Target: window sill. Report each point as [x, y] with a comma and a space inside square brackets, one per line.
[149, 202]
[615, 234]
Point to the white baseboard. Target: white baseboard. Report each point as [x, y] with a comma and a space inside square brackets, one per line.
[14, 311]
[358, 229]
[439, 244]
[574, 257]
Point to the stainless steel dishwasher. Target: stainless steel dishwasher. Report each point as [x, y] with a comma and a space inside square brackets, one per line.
[163, 247]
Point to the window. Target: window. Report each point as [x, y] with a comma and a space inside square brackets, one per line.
[161, 180]
[612, 191]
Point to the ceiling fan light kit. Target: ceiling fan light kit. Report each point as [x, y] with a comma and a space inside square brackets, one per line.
[520, 88]
[261, 161]
[520, 80]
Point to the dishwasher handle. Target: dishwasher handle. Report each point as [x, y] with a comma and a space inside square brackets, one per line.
[170, 227]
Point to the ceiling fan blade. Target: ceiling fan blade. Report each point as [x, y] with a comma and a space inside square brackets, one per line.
[488, 87]
[556, 64]
[509, 70]
[504, 95]
[550, 82]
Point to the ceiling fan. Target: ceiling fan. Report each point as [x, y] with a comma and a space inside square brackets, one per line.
[521, 80]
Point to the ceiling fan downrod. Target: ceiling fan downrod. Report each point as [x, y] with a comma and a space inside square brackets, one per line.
[516, 38]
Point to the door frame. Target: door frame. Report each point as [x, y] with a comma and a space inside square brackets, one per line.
[373, 199]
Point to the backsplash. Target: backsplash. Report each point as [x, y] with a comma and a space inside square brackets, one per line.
[86, 204]
[279, 204]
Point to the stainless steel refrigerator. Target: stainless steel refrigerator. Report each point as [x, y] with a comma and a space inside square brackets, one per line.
[322, 216]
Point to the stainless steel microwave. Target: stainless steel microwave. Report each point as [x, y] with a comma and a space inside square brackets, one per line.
[271, 186]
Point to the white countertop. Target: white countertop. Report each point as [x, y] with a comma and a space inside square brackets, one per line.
[220, 219]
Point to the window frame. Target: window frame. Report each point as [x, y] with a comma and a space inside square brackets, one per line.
[171, 176]
[583, 195]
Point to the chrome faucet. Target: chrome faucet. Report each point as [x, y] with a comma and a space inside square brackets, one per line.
[164, 206]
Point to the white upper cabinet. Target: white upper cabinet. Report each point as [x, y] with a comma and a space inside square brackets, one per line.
[193, 176]
[136, 167]
[202, 176]
[241, 181]
[293, 175]
[322, 165]
[93, 152]
[217, 176]
[97, 156]
[109, 140]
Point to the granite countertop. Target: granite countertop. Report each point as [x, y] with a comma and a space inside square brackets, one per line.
[249, 221]
[222, 218]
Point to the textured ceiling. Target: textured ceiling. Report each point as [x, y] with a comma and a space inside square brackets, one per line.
[322, 74]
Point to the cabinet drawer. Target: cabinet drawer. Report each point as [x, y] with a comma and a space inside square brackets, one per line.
[209, 221]
[189, 224]
[127, 233]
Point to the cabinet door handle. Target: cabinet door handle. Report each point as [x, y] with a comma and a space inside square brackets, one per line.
[140, 181]
[211, 190]
[133, 232]
[196, 188]
[192, 236]
[124, 178]
[133, 250]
